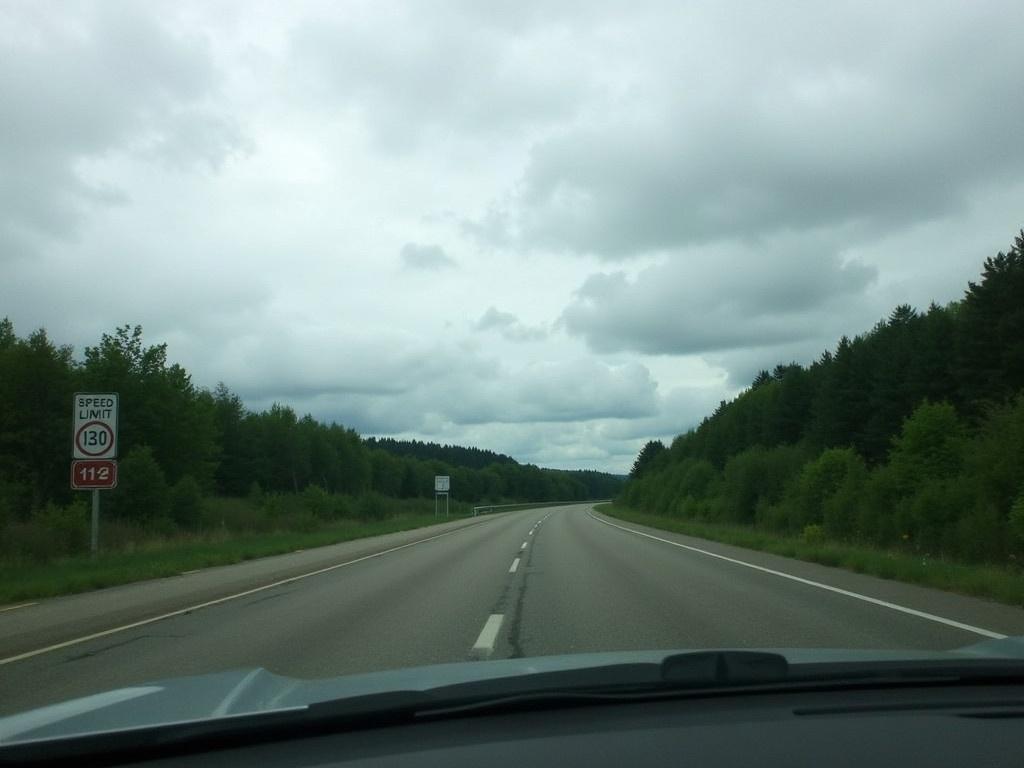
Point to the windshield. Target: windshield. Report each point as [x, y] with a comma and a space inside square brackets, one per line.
[353, 338]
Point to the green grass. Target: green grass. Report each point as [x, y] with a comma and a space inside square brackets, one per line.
[998, 583]
[25, 580]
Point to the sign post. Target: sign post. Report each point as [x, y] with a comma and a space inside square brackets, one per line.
[442, 486]
[94, 450]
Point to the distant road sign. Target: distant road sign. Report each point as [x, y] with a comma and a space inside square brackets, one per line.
[94, 474]
[442, 483]
[95, 430]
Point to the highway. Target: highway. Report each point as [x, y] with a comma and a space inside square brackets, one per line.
[523, 583]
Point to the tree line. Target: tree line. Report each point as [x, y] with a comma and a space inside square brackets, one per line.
[909, 435]
[194, 441]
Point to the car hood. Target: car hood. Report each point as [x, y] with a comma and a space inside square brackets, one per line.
[248, 691]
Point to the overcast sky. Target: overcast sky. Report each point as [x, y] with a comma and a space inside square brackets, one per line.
[556, 230]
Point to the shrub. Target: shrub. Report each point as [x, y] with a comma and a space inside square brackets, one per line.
[929, 446]
[877, 521]
[317, 501]
[1016, 522]
[371, 506]
[141, 492]
[52, 532]
[819, 481]
[255, 494]
[757, 475]
[981, 534]
[813, 534]
[839, 511]
[187, 502]
[341, 506]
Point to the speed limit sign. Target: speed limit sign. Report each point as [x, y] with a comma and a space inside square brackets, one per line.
[95, 430]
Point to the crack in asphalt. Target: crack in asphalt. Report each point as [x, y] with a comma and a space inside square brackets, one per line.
[112, 646]
[515, 625]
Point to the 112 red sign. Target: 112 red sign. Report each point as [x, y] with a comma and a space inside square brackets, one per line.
[93, 474]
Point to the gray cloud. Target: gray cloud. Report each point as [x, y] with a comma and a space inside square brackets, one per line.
[437, 387]
[423, 69]
[430, 257]
[720, 299]
[509, 326]
[832, 119]
[78, 89]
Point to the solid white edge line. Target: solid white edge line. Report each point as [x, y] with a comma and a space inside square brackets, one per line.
[16, 607]
[818, 584]
[515, 566]
[484, 644]
[217, 601]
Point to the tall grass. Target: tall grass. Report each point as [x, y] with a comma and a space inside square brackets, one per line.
[231, 530]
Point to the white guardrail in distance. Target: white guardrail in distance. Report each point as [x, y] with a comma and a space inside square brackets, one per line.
[484, 509]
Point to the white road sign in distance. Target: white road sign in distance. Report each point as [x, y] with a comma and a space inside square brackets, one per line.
[441, 483]
[95, 430]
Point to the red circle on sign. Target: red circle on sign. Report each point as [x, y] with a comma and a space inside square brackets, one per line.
[103, 449]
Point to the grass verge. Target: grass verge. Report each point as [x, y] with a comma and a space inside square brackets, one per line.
[26, 581]
[1003, 584]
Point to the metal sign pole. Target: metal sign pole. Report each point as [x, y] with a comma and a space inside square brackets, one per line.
[446, 497]
[95, 544]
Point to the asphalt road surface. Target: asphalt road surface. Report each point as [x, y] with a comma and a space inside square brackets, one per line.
[525, 583]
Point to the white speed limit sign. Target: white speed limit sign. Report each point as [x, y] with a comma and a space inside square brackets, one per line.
[95, 429]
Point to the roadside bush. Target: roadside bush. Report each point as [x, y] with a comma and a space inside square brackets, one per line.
[255, 494]
[981, 534]
[371, 506]
[1016, 522]
[234, 515]
[757, 476]
[819, 481]
[318, 502]
[341, 506]
[877, 522]
[302, 521]
[699, 480]
[15, 501]
[932, 512]
[50, 533]
[929, 447]
[187, 502]
[142, 493]
[813, 534]
[839, 511]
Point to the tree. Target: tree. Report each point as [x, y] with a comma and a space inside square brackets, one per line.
[234, 471]
[929, 446]
[37, 381]
[990, 332]
[648, 454]
[141, 494]
[186, 503]
[159, 406]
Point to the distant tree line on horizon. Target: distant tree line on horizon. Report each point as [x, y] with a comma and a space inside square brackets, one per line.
[191, 442]
[909, 435]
